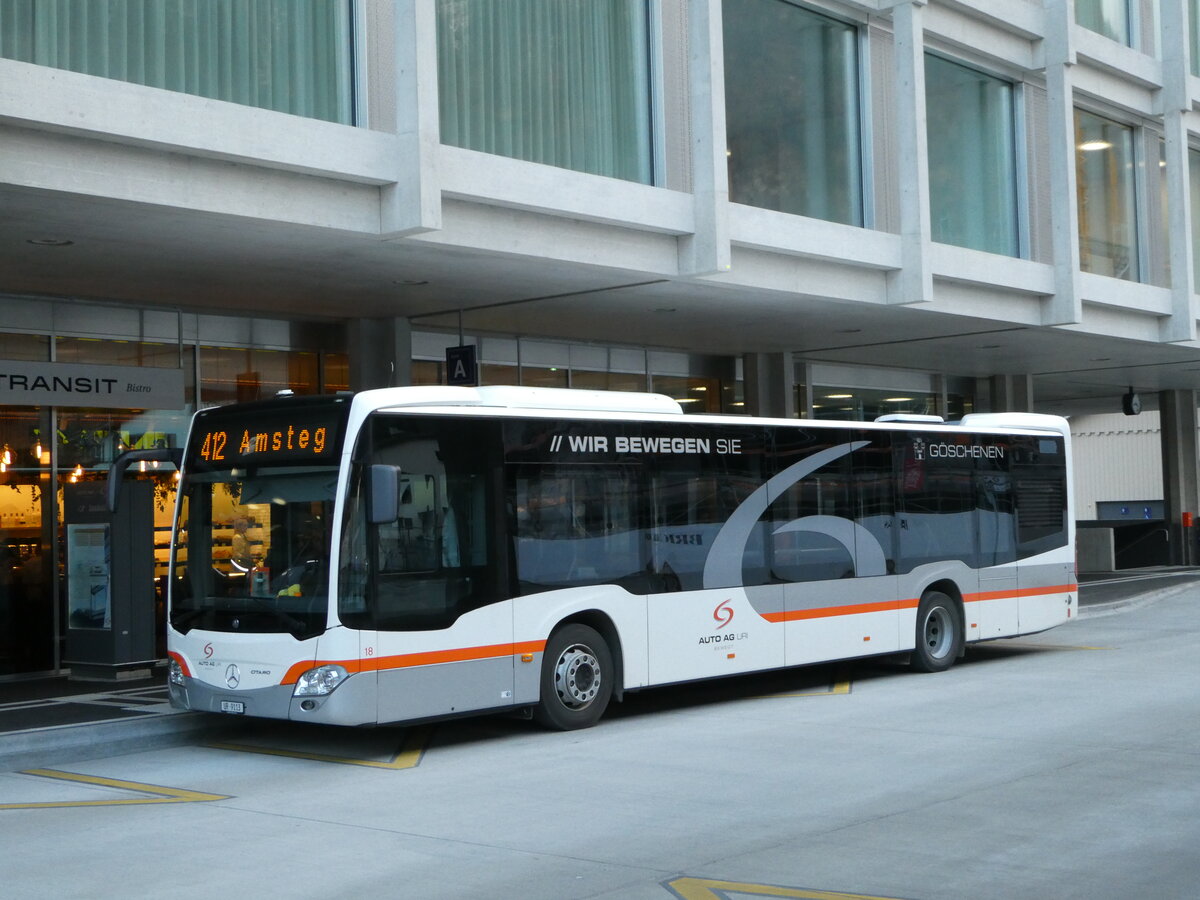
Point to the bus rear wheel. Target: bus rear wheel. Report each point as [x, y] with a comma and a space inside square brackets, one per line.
[939, 633]
[577, 679]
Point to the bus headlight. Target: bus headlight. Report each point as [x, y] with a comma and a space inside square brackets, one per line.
[175, 673]
[319, 681]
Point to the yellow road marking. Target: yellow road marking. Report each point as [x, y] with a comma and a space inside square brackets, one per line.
[714, 889]
[407, 757]
[161, 794]
[840, 685]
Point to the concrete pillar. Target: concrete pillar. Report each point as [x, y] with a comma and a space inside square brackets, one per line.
[1004, 393]
[380, 352]
[413, 202]
[707, 251]
[913, 283]
[1066, 305]
[1177, 411]
[769, 380]
[1180, 325]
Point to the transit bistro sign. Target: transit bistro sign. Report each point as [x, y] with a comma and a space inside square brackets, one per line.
[69, 384]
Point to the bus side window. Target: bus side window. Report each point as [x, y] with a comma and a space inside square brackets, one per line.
[807, 542]
[936, 498]
[433, 563]
[995, 503]
[577, 526]
[1040, 483]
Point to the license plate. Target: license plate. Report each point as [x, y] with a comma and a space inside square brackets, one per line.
[233, 706]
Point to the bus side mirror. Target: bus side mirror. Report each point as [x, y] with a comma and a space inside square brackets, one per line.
[383, 494]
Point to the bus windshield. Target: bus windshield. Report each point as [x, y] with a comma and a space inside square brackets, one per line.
[255, 516]
[252, 552]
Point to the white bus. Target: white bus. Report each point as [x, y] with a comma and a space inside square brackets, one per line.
[425, 552]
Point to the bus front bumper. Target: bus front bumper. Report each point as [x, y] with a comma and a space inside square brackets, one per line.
[352, 703]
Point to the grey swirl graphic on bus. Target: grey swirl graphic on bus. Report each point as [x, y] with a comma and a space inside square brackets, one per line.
[723, 566]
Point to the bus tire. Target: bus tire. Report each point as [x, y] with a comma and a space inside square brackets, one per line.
[577, 679]
[939, 633]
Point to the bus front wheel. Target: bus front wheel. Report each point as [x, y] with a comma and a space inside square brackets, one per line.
[939, 633]
[577, 679]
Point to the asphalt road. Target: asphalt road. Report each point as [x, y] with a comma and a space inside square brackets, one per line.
[1062, 765]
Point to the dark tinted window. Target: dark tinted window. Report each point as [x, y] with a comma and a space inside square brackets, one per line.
[811, 515]
[437, 560]
[995, 501]
[935, 498]
[1039, 475]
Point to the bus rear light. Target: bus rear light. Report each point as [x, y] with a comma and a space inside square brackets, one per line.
[319, 682]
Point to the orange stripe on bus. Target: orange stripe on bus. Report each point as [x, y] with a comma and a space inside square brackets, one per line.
[1022, 592]
[407, 660]
[825, 612]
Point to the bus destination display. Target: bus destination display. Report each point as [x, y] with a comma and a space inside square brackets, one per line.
[304, 436]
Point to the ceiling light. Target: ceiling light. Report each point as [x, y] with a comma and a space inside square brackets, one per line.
[49, 242]
[838, 396]
[1092, 146]
[896, 399]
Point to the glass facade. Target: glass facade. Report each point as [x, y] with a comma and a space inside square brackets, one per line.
[867, 404]
[972, 158]
[792, 111]
[293, 56]
[238, 375]
[560, 82]
[1107, 197]
[48, 454]
[1107, 17]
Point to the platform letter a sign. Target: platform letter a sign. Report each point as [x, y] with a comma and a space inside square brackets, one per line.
[460, 365]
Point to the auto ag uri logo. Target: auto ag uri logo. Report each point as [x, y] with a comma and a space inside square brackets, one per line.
[723, 614]
[208, 651]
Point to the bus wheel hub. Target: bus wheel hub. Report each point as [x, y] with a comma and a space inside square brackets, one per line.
[577, 676]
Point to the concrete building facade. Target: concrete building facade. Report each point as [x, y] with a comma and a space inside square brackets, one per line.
[819, 207]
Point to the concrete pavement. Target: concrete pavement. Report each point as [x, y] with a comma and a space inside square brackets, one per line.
[52, 721]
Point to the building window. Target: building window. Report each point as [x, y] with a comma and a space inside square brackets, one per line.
[240, 375]
[867, 404]
[1107, 199]
[560, 82]
[972, 158]
[288, 55]
[792, 111]
[608, 381]
[1107, 17]
[695, 393]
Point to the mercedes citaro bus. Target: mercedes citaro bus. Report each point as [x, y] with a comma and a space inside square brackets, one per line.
[424, 552]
